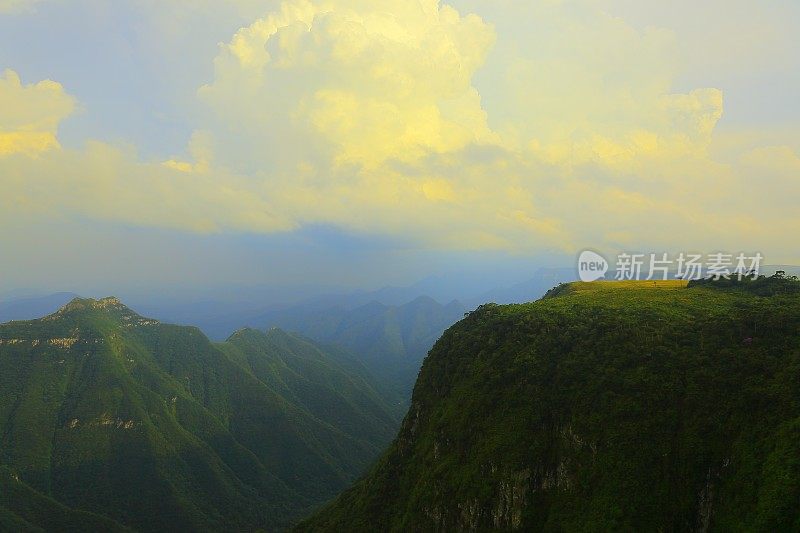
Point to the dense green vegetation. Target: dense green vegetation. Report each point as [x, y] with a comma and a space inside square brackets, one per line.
[392, 341]
[32, 511]
[760, 286]
[602, 407]
[108, 419]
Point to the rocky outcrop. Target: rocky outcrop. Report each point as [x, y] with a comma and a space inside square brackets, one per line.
[105, 420]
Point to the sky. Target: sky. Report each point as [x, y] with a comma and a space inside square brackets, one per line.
[362, 143]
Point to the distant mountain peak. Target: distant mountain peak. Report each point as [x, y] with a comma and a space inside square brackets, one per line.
[422, 300]
[278, 333]
[244, 333]
[110, 304]
[268, 430]
[81, 304]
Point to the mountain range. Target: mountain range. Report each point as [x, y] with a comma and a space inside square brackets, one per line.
[112, 420]
[391, 341]
[607, 406]
[647, 406]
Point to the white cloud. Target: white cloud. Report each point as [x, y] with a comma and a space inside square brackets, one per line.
[554, 126]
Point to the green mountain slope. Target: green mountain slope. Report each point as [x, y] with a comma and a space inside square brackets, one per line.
[328, 385]
[391, 341]
[156, 428]
[33, 511]
[603, 407]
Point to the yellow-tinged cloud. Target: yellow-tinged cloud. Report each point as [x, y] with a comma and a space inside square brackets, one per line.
[16, 6]
[110, 183]
[378, 103]
[373, 80]
[560, 131]
[30, 114]
[106, 182]
[201, 149]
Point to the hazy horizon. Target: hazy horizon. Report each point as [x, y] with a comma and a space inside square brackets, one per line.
[156, 145]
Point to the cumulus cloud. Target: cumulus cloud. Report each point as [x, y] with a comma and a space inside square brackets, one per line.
[371, 81]
[369, 116]
[107, 182]
[555, 126]
[30, 114]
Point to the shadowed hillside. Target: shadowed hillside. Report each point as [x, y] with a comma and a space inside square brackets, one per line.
[126, 420]
[391, 341]
[603, 407]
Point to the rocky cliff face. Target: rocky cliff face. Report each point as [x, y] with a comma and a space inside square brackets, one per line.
[608, 407]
